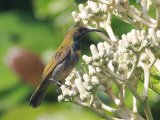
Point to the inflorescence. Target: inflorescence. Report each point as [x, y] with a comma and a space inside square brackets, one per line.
[120, 62]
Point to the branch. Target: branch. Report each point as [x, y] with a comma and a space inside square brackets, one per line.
[98, 112]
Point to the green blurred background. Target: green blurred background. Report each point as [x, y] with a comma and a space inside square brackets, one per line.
[30, 31]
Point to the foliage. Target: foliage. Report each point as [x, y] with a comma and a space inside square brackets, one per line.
[39, 26]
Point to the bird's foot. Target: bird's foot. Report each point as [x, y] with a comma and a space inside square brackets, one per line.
[68, 86]
[55, 81]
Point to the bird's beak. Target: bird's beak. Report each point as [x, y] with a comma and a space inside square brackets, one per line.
[95, 30]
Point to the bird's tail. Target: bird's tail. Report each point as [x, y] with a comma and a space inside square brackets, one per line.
[37, 96]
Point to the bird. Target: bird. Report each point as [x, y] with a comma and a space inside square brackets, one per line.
[62, 63]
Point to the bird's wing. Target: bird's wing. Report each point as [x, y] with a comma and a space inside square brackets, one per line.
[59, 56]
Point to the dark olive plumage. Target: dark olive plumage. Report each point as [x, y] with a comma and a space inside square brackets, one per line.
[62, 63]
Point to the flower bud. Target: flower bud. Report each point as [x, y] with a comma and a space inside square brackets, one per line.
[92, 5]
[66, 93]
[101, 49]
[68, 82]
[98, 69]
[134, 38]
[153, 35]
[86, 77]
[121, 68]
[87, 59]
[83, 93]
[94, 52]
[144, 58]
[92, 70]
[95, 80]
[85, 97]
[60, 98]
[81, 7]
[89, 88]
[74, 14]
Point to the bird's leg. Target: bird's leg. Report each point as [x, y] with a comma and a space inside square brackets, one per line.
[68, 86]
[58, 83]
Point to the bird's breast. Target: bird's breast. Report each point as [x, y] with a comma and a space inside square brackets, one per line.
[65, 68]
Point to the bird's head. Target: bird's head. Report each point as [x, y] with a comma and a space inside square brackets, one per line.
[81, 31]
[75, 34]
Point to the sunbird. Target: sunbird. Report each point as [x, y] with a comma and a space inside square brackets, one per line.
[62, 63]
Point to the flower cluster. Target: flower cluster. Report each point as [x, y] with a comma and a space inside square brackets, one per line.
[116, 62]
[93, 13]
[97, 78]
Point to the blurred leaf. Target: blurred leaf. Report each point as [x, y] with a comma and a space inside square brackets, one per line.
[50, 8]
[80, 1]
[155, 80]
[33, 35]
[14, 98]
[61, 111]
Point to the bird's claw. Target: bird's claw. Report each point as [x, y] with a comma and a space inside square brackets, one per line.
[68, 86]
[57, 82]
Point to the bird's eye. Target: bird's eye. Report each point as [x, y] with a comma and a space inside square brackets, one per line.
[80, 30]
